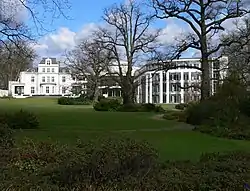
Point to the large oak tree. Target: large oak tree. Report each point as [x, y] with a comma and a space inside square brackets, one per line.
[205, 19]
[128, 35]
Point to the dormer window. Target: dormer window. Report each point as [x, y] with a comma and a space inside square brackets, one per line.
[48, 61]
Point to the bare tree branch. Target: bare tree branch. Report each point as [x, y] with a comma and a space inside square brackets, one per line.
[129, 38]
[205, 18]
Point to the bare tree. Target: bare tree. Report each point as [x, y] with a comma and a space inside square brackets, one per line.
[89, 60]
[129, 37]
[206, 19]
[13, 28]
[239, 52]
[13, 60]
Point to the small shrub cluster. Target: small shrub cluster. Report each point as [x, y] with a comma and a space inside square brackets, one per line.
[226, 114]
[107, 105]
[116, 105]
[179, 116]
[119, 164]
[6, 139]
[20, 120]
[181, 106]
[82, 100]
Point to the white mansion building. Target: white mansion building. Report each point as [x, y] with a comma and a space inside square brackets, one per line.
[155, 86]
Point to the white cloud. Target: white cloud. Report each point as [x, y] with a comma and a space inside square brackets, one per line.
[55, 44]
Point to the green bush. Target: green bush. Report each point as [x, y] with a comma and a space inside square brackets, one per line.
[181, 106]
[119, 164]
[64, 101]
[113, 163]
[20, 120]
[175, 115]
[6, 138]
[82, 100]
[107, 105]
[100, 97]
[147, 107]
[225, 114]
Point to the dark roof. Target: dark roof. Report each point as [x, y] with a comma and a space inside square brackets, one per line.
[35, 69]
[52, 59]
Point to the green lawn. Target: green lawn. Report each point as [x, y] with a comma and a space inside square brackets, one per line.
[66, 124]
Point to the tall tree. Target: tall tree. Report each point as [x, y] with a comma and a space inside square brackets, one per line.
[205, 19]
[128, 35]
[89, 60]
[13, 60]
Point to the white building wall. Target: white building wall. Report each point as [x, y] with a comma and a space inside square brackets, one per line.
[47, 77]
[169, 93]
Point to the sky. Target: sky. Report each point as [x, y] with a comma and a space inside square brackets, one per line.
[84, 16]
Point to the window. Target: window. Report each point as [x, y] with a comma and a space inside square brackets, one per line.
[47, 89]
[195, 76]
[63, 79]
[164, 77]
[32, 90]
[43, 79]
[53, 79]
[175, 98]
[175, 76]
[63, 90]
[53, 70]
[48, 62]
[48, 79]
[175, 87]
[216, 75]
[53, 89]
[186, 76]
[32, 78]
[43, 69]
[48, 69]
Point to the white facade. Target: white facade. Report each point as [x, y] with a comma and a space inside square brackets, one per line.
[47, 79]
[155, 86]
[168, 86]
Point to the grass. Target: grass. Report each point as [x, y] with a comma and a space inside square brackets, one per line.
[66, 124]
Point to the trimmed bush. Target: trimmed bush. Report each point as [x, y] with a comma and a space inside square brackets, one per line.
[175, 115]
[107, 105]
[82, 100]
[181, 106]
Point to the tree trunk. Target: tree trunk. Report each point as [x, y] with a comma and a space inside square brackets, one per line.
[128, 94]
[96, 94]
[205, 79]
